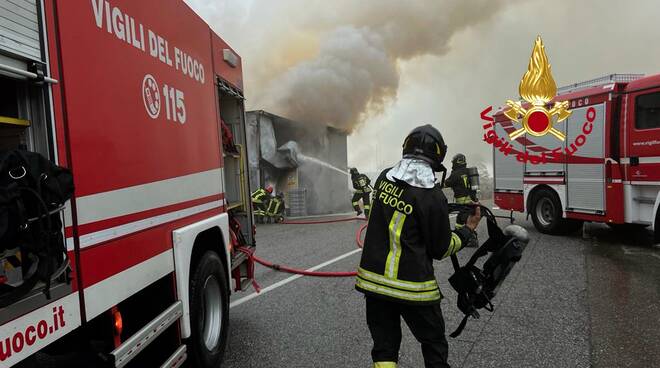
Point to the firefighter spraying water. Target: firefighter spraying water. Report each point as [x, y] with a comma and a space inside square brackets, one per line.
[362, 188]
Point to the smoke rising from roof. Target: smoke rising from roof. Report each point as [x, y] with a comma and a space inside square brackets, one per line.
[451, 58]
[355, 73]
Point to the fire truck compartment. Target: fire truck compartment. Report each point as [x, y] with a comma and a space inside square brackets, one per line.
[19, 28]
[23, 125]
[547, 142]
[508, 171]
[233, 114]
[586, 181]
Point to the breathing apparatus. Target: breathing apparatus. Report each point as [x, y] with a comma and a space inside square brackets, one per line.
[476, 287]
[473, 178]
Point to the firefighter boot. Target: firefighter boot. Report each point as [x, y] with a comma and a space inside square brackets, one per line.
[357, 209]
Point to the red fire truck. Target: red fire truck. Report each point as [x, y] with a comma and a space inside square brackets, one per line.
[131, 96]
[606, 170]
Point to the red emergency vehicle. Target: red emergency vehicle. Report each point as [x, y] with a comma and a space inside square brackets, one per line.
[130, 96]
[606, 170]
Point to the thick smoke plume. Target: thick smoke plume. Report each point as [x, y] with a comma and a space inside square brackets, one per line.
[354, 71]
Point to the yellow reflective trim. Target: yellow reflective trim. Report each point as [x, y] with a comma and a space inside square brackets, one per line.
[392, 263]
[356, 203]
[384, 365]
[426, 296]
[454, 245]
[464, 200]
[400, 284]
[14, 121]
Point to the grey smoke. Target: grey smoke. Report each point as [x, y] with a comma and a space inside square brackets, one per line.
[355, 73]
[452, 58]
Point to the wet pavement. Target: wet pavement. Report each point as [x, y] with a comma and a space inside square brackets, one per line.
[572, 301]
[623, 271]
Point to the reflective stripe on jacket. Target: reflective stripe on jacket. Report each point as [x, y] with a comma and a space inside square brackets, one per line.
[408, 228]
[361, 183]
[460, 184]
[259, 195]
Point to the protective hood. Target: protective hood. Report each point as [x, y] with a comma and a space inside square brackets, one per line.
[416, 172]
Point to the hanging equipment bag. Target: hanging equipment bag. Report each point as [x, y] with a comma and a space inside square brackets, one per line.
[33, 191]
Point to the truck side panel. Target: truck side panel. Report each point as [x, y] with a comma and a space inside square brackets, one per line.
[143, 135]
[508, 171]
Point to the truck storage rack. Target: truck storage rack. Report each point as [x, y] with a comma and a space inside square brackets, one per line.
[611, 78]
[14, 121]
[229, 89]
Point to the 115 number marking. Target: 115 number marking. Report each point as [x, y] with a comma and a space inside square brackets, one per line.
[175, 107]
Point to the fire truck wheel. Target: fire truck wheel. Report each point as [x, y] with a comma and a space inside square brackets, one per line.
[209, 312]
[546, 212]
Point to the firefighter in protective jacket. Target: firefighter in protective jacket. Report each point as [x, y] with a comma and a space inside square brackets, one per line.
[459, 183]
[408, 229]
[260, 198]
[362, 186]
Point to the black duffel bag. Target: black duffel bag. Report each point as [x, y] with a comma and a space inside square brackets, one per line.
[33, 191]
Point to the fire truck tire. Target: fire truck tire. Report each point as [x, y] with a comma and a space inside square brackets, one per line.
[209, 312]
[547, 213]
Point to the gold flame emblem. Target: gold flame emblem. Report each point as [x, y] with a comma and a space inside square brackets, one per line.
[538, 88]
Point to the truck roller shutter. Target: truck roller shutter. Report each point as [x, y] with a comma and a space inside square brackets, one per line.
[19, 29]
[586, 182]
[508, 171]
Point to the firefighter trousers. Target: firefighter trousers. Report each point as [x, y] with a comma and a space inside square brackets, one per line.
[366, 202]
[425, 322]
[462, 216]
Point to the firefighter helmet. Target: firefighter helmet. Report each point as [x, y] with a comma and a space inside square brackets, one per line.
[459, 160]
[269, 189]
[425, 142]
[354, 171]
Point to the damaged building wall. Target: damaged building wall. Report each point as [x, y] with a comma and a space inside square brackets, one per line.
[293, 156]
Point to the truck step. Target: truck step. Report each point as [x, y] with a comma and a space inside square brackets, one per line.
[177, 359]
[141, 339]
[246, 284]
[237, 259]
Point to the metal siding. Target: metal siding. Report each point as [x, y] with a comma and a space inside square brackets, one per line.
[594, 146]
[586, 182]
[508, 171]
[19, 28]
[549, 142]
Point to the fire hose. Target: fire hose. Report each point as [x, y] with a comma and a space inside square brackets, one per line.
[323, 221]
[254, 259]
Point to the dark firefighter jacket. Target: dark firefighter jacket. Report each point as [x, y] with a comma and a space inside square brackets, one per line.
[259, 195]
[459, 182]
[361, 183]
[408, 229]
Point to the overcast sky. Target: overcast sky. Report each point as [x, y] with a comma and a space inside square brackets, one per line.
[390, 65]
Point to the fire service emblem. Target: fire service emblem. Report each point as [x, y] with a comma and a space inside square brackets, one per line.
[535, 116]
[538, 88]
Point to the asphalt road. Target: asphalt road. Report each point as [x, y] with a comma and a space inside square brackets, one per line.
[583, 300]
